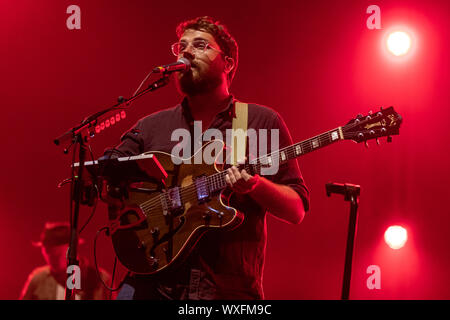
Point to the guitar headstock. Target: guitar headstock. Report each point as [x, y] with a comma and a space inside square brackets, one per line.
[383, 123]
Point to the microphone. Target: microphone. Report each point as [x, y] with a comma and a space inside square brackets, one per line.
[183, 65]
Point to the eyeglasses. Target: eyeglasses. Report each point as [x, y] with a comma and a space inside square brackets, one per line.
[198, 45]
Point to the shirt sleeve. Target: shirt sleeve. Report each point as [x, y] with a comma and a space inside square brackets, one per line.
[28, 288]
[289, 172]
[132, 143]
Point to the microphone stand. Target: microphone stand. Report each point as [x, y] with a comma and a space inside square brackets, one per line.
[351, 193]
[78, 137]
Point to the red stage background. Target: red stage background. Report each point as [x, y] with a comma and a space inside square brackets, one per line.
[315, 62]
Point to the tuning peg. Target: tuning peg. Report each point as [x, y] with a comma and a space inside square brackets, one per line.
[360, 136]
[389, 139]
[366, 144]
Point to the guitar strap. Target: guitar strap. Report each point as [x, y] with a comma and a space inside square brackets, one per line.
[239, 132]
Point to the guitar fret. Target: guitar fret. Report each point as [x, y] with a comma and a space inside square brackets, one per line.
[214, 184]
[306, 146]
[334, 135]
[315, 143]
[298, 149]
[216, 181]
[220, 178]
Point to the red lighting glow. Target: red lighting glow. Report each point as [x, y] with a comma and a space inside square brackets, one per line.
[396, 237]
[398, 43]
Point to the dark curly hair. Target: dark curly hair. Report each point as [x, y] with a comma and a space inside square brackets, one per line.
[220, 33]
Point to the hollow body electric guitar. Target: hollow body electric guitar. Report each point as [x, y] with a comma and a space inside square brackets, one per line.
[157, 224]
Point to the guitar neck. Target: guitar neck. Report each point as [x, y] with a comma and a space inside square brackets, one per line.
[217, 181]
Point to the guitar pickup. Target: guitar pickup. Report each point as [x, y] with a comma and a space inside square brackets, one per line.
[201, 185]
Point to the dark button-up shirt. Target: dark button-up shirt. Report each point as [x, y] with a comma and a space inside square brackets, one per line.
[223, 265]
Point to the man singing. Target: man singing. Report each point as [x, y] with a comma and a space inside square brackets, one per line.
[223, 264]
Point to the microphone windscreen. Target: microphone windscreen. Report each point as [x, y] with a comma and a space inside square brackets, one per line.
[186, 62]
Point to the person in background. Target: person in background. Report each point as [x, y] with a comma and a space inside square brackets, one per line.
[48, 282]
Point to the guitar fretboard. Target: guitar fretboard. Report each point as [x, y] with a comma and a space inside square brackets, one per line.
[217, 181]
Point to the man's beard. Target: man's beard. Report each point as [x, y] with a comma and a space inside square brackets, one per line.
[192, 85]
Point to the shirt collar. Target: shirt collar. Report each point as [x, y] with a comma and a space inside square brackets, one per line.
[227, 113]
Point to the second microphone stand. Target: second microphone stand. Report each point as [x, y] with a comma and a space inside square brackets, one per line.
[351, 193]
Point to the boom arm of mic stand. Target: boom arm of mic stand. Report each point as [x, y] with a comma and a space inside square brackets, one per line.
[92, 120]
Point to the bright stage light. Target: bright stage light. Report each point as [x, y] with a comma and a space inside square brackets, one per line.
[398, 43]
[395, 237]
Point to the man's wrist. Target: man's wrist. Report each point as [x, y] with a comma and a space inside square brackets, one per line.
[254, 181]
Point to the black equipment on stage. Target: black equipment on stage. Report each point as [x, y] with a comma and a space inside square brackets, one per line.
[351, 193]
